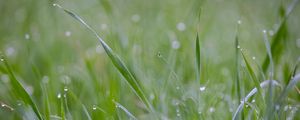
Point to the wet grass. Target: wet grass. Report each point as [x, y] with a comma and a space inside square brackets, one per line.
[150, 60]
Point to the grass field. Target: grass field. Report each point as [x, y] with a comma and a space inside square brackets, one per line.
[149, 59]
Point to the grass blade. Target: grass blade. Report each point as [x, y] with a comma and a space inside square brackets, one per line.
[289, 87]
[252, 74]
[270, 95]
[198, 58]
[237, 65]
[117, 62]
[279, 37]
[20, 90]
[125, 110]
[251, 93]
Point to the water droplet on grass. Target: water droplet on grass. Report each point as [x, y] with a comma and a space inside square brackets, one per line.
[202, 88]
[27, 36]
[65, 89]
[94, 107]
[253, 101]
[211, 109]
[264, 31]
[58, 95]
[159, 55]
[2, 59]
[238, 47]
[253, 58]
[277, 107]
[68, 33]
[181, 26]
[239, 22]
[10, 51]
[175, 44]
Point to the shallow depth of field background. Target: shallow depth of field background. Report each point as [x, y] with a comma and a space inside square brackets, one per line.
[47, 48]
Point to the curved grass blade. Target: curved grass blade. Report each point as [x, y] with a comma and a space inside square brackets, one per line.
[289, 87]
[20, 90]
[117, 62]
[251, 93]
[125, 110]
[252, 74]
[279, 36]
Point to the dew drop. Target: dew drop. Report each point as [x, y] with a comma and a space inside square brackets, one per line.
[94, 107]
[178, 114]
[238, 47]
[181, 26]
[159, 55]
[66, 89]
[247, 106]
[58, 95]
[177, 87]
[10, 51]
[253, 58]
[175, 44]
[277, 107]
[202, 88]
[2, 105]
[264, 31]
[19, 104]
[253, 101]
[211, 109]
[239, 22]
[27, 36]
[2, 59]
[68, 33]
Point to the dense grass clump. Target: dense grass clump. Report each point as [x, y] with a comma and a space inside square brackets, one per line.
[132, 59]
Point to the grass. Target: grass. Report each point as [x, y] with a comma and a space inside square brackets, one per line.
[168, 59]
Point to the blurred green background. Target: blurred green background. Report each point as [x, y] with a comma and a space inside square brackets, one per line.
[47, 48]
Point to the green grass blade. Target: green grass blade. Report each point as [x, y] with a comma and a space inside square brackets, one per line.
[269, 101]
[117, 62]
[46, 102]
[125, 110]
[251, 93]
[62, 109]
[252, 74]
[20, 90]
[237, 66]
[279, 37]
[86, 112]
[198, 58]
[289, 87]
